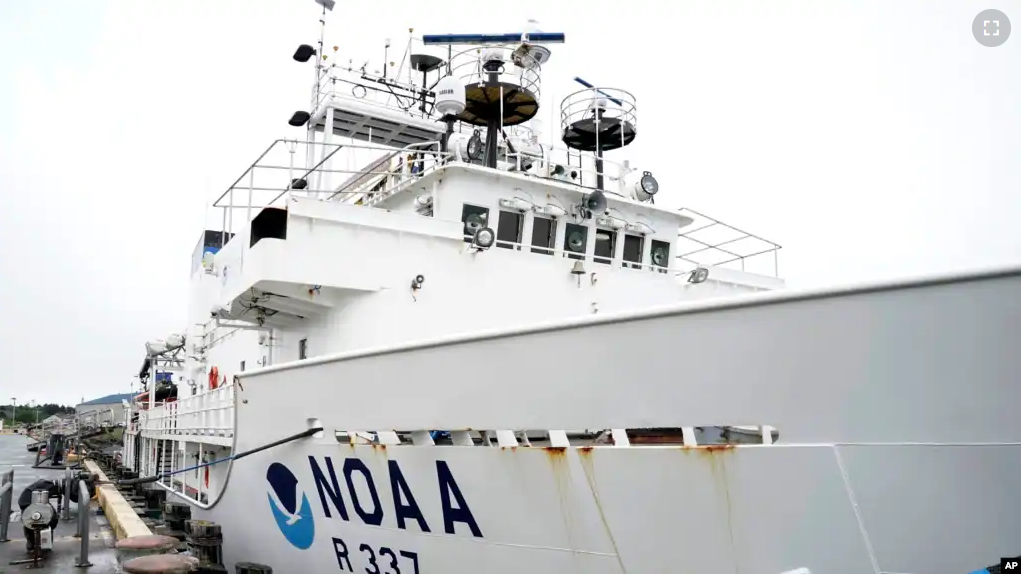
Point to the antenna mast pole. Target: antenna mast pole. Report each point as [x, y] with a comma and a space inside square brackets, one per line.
[310, 134]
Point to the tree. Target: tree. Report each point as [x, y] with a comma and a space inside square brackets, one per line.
[27, 414]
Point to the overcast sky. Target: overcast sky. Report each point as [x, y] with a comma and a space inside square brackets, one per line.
[870, 138]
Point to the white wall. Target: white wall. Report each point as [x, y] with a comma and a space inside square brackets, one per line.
[370, 256]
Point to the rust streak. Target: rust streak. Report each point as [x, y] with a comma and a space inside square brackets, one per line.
[719, 472]
[589, 470]
[562, 482]
[709, 449]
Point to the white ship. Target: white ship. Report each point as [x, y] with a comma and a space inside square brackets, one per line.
[502, 357]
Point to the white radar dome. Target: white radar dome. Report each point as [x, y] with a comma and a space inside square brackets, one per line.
[450, 96]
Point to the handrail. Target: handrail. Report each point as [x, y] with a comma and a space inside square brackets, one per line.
[227, 474]
[467, 65]
[6, 495]
[729, 245]
[83, 524]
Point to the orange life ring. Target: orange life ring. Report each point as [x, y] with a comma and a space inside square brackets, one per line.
[214, 378]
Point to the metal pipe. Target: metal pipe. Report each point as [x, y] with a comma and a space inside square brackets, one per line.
[753, 235]
[68, 482]
[6, 494]
[83, 524]
[307, 173]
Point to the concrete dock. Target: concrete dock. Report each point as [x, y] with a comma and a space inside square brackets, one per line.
[66, 546]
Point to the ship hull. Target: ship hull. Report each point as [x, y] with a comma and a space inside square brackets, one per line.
[829, 508]
[898, 449]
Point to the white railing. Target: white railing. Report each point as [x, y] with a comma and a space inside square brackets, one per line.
[204, 415]
[516, 68]
[709, 242]
[269, 180]
[613, 105]
[367, 92]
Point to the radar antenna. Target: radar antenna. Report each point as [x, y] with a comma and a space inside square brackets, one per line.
[598, 120]
[501, 84]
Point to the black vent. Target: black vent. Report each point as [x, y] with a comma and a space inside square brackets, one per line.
[271, 223]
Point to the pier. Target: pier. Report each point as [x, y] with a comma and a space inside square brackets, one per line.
[66, 545]
[126, 528]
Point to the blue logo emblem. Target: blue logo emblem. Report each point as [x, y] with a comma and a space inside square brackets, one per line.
[294, 521]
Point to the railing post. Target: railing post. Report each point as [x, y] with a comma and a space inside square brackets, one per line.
[83, 524]
[69, 483]
[6, 494]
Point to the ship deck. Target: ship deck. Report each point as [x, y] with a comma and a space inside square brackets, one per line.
[66, 546]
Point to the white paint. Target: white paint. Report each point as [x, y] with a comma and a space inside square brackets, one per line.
[511, 346]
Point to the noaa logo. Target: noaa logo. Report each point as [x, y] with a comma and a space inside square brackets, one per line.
[293, 519]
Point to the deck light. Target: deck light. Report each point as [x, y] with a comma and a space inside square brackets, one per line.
[483, 238]
[698, 275]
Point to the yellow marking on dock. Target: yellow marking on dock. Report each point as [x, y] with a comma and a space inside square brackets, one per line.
[119, 513]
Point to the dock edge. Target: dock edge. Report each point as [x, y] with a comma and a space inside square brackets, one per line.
[119, 513]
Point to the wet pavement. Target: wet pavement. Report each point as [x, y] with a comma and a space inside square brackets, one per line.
[66, 547]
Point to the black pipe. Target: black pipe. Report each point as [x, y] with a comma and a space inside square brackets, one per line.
[492, 128]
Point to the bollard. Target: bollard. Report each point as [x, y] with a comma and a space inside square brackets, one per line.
[161, 564]
[83, 524]
[6, 495]
[252, 568]
[205, 541]
[175, 514]
[145, 546]
[155, 499]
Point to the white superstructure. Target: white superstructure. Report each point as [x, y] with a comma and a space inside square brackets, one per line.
[470, 286]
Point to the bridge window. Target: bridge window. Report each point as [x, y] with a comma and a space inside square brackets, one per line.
[575, 240]
[303, 349]
[543, 231]
[242, 369]
[660, 254]
[509, 229]
[473, 218]
[633, 251]
[606, 241]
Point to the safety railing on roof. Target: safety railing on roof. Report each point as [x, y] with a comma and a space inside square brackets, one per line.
[279, 172]
[365, 91]
[709, 242]
[516, 68]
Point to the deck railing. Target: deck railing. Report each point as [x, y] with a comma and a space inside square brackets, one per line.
[203, 415]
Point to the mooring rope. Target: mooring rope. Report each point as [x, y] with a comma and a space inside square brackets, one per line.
[154, 478]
